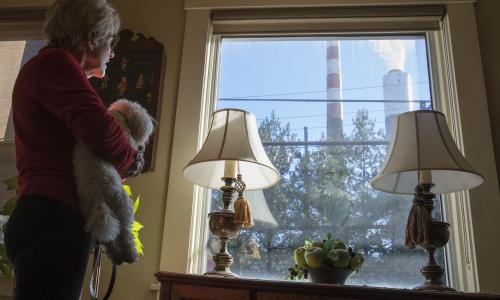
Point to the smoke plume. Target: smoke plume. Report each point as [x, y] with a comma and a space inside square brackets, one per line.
[392, 51]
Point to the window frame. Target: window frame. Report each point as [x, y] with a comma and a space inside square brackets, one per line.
[457, 72]
[19, 24]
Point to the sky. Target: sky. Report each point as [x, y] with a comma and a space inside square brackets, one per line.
[295, 68]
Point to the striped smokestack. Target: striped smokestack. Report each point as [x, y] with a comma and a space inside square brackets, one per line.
[334, 122]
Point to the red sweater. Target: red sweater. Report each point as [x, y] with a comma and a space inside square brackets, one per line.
[53, 105]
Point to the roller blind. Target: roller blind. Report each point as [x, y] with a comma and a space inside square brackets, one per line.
[331, 19]
[21, 23]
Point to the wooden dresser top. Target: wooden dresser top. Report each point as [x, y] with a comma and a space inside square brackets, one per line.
[314, 290]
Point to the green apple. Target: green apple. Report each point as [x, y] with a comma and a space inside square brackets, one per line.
[298, 256]
[319, 245]
[314, 257]
[339, 258]
[339, 244]
[356, 262]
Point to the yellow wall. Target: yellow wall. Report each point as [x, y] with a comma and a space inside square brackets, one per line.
[164, 20]
[488, 26]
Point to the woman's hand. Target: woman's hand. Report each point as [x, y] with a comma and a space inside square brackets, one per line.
[137, 165]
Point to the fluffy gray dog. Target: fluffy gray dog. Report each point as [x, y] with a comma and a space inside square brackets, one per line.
[106, 207]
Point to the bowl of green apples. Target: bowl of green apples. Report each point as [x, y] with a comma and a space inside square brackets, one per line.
[327, 261]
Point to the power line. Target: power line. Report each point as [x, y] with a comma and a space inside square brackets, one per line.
[324, 91]
[327, 100]
[323, 127]
[327, 143]
[324, 114]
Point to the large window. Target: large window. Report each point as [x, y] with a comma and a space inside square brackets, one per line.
[457, 90]
[325, 108]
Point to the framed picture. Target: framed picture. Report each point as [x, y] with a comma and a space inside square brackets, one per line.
[134, 74]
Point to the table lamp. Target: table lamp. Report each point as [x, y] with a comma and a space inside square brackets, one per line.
[423, 156]
[233, 153]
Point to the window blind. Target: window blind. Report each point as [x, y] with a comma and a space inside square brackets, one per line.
[21, 23]
[330, 19]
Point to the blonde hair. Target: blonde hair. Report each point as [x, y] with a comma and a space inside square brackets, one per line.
[69, 21]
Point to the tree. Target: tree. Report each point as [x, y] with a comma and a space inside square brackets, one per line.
[327, 189]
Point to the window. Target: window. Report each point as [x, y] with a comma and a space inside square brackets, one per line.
[20, 39]
[459, 92]
[325, 108]
[13, 55]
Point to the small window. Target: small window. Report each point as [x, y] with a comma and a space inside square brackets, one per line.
[13, 55]
[325, 108]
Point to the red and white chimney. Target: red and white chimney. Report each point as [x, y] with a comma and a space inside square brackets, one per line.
[334, 114]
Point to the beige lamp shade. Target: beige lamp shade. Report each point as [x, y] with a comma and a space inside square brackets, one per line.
[233, 136]
[261, 213]
[422, 141]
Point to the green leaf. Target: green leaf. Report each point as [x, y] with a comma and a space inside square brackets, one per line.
[329, 244]
[299, 276]
[136, 226]
[9, 206]
[136, 204]
[5, 265]
[127, 190]
[6, 270]
[11, 183]
[329, 236]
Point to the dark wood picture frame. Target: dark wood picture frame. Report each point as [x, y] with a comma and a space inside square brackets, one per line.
[135, 74]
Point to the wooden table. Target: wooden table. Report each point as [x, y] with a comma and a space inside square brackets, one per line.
[175, 286]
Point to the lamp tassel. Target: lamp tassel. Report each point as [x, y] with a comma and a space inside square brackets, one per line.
[418, 227]
[242, 210]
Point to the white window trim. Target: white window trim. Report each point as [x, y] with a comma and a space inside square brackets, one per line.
[473, 264]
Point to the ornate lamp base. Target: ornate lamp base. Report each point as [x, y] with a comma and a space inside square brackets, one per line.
[222, 225]
[439, 232]
[433, 282]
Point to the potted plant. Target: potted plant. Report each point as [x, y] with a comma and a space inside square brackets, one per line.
[326, 261]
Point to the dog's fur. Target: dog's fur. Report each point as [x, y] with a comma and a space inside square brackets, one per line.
[107, 209]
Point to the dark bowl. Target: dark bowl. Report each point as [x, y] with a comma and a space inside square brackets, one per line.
[327, 274]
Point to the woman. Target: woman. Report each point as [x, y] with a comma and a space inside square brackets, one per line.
[53, 106]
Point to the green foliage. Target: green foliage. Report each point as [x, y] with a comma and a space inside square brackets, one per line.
[6, 267]
[297, 273]
[136, 226]
[9, 206]
[11, 183]
[324, 189]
